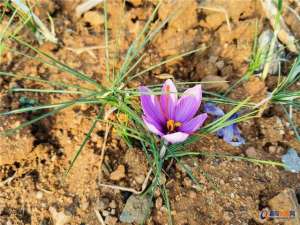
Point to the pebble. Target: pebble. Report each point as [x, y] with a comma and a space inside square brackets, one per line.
[39, 195]
[162, 179]
[137, 209]
[105, 213]
[140, 179]
[113, 211]
[59, 218]
[158, 203]
[272, 149]
[220, 65]
[187, 182]
[286, 200]
[103, 203]
[94, 18]
[113, 204]
[251, 152]
[118, 174]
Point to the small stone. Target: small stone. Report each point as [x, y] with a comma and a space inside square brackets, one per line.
[103, 203]
[111, 220]
[105, 213]
[220, 65]
[113, 204]
[157, 193]
[59, 218]
[118, 174]
[214, 82]
[272, 149]
[187, 182]
[39, 195]
[286, 201]
[213, 59]
[113, 211]
[94, 18]
[251, 152]
[140, 179]
[162, 179]
[137, 209]
[158, 203]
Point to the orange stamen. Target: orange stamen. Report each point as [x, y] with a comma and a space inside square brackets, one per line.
[172, 125]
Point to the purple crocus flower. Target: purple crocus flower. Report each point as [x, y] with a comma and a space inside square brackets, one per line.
[231, 134]
[169, 117]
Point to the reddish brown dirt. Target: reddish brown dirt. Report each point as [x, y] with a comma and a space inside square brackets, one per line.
[33, 162]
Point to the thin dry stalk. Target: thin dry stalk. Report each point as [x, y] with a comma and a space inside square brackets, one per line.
[86, 6]
[99, 217]
[107, 129]
[132, 190]
[284, 33]
[221, 10]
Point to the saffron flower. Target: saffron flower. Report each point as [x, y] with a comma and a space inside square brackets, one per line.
[171, 118]
[231, 134]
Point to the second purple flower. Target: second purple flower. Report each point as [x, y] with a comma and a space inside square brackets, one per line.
[171, 118]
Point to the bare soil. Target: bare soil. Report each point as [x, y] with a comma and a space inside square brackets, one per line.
[33, 162]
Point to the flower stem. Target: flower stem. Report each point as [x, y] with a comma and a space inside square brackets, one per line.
[163, 150]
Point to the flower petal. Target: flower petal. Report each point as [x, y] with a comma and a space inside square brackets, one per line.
[150, 105]
[152, 125]
[195, 91]
[232, 135]
[194, 124]
[168, 99]
[239, 140]
[188, 104]
[214, 110]
[170, 89]
[175, 137]
[228, 134]
[186, 109]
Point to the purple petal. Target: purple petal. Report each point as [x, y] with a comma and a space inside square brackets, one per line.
[189, 104]
[237, 134]
[195, 92]
[175, 137]
[186, 109]
[168, 99]
[194, 124]
[220, 133]
[152, 126]
[213, 110]
[232, 136]
[150, 105]
[228, 133]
